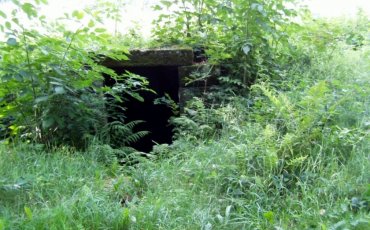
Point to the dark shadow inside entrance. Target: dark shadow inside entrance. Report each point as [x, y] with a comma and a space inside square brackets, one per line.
[163, 80]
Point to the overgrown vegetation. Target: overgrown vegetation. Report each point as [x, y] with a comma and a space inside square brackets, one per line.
[245, 36]
[52, 82]
[288, 148]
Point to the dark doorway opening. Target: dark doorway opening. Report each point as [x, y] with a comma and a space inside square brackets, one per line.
[163, 80]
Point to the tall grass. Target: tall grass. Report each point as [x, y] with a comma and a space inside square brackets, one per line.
[60, 190]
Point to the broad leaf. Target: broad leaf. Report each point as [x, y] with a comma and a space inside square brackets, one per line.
[78, 14]
[8, 25]
[91, 23]
[28, 212]
[100, 30]
[2, 14]
[29, 9]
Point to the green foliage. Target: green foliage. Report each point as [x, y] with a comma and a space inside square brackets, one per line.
[245, 36]
[298, 127]
[324, 35]
[292, 154]
[169, 102]
[103, 153]
[80, 116]
[51, 82]
[197, 121]
[107, 10]
[118, 134]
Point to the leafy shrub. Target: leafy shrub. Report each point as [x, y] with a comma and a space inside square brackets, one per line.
[54, 79]
[245, 36]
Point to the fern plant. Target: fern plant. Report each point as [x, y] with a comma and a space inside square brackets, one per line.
[112, 143]
[295, 129]
[117, 134]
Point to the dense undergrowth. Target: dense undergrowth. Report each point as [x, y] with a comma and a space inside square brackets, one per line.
[290, 151]
[269, 167]
[253, 177]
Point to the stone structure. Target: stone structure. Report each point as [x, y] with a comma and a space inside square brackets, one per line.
[167, 71]
[155, 57]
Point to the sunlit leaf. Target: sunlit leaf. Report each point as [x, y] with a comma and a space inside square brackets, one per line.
[91, 23]
[2, 224]
[44, 50]
[166, 3]
[59, 71]
[41, 1]
[78, 14]
[227, 211]
[2, 14]
[269, 216]
[56, 83]
[100, 30]
[28, 212]
[157, 7]
[29, 9]
[8, 25]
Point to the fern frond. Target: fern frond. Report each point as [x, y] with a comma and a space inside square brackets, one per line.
[117, 133]
[269, 93]
[132, 124]
[135, 137]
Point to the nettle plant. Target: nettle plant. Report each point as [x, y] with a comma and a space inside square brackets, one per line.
[51, 79]
[248, 36]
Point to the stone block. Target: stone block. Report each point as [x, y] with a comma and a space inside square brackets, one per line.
[154, 57]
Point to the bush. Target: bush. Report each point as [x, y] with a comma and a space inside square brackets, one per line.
[51, 82]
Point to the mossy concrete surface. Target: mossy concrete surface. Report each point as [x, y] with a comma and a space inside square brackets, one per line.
[155, 57]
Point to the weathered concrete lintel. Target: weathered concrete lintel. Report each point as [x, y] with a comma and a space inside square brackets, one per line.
[155, 57]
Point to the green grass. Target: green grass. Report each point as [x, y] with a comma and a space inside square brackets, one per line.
[61, 190]
[209, 188]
